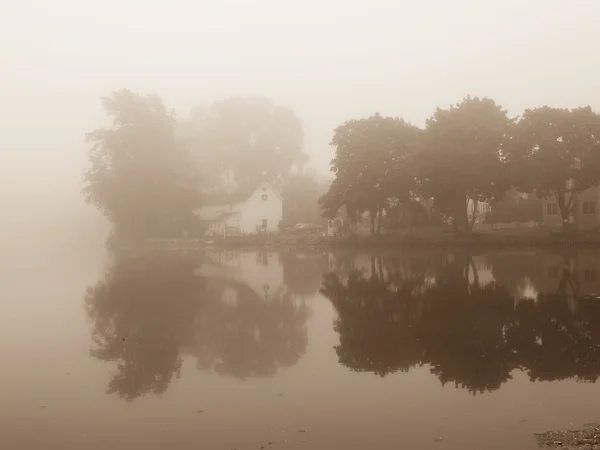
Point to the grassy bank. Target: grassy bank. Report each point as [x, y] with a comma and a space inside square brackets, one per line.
[526, 238]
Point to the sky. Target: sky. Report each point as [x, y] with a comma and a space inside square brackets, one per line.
[329, 60]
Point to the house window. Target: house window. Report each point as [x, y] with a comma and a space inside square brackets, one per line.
[551, 209]
[589, 207]
[264, 224]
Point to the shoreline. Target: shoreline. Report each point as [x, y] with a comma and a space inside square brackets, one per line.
[523, 240]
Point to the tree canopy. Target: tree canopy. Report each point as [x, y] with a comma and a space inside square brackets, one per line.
[139, 176]
[556, 152]
[461, 160]
[300, 199]
[246, 140]
[372, 165]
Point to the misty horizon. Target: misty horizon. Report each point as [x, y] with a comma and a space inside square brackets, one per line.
[329, 64]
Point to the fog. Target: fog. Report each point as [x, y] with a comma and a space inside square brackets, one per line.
[328, 60]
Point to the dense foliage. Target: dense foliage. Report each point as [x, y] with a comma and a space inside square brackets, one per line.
[469, 153]
[148, 172]
[556, 152]
[140, 177]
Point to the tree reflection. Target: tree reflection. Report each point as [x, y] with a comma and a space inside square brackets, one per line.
[302, 271]
[374, 320]
[238, 333]
[469, 333]
[558, 336]
[149, 312]
[461, 329]
[140, 313]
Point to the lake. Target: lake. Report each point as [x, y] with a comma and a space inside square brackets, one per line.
[296, 350]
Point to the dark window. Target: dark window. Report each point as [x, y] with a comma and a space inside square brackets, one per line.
[589, 207]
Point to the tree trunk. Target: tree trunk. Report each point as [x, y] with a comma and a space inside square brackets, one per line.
[380, 269]
[564, 210]
[465, 212]
[379, 220]
[454, 222]
[565, 206]
[472, 224]
[372, 216]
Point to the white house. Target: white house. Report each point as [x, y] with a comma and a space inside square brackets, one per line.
[257, 210]
[482, 209]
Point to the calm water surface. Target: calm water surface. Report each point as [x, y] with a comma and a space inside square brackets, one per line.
[305, 350]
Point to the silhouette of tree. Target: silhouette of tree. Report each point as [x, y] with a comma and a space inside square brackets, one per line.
[550, 147]
[139, 176]
[461, 158]
[372, 165]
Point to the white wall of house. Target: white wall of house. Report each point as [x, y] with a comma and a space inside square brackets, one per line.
[482, 208]
[263, 205]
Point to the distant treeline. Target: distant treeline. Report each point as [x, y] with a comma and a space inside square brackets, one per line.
[150, 171]
[468, 153]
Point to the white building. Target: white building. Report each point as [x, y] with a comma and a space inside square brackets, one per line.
[483, 208]
[252, 211]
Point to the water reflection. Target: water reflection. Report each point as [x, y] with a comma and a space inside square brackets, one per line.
[472, 320]
[236, 314]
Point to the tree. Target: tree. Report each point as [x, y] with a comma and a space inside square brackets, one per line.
[139, 176]
[300, 199]
[246, 139]
[461, 161]
[372, 165]
[556, 152]
[515, 207]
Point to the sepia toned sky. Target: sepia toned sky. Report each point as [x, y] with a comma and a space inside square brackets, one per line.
[330, 60]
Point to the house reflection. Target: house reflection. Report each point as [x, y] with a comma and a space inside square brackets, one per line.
[261, 271]
[233, 314]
